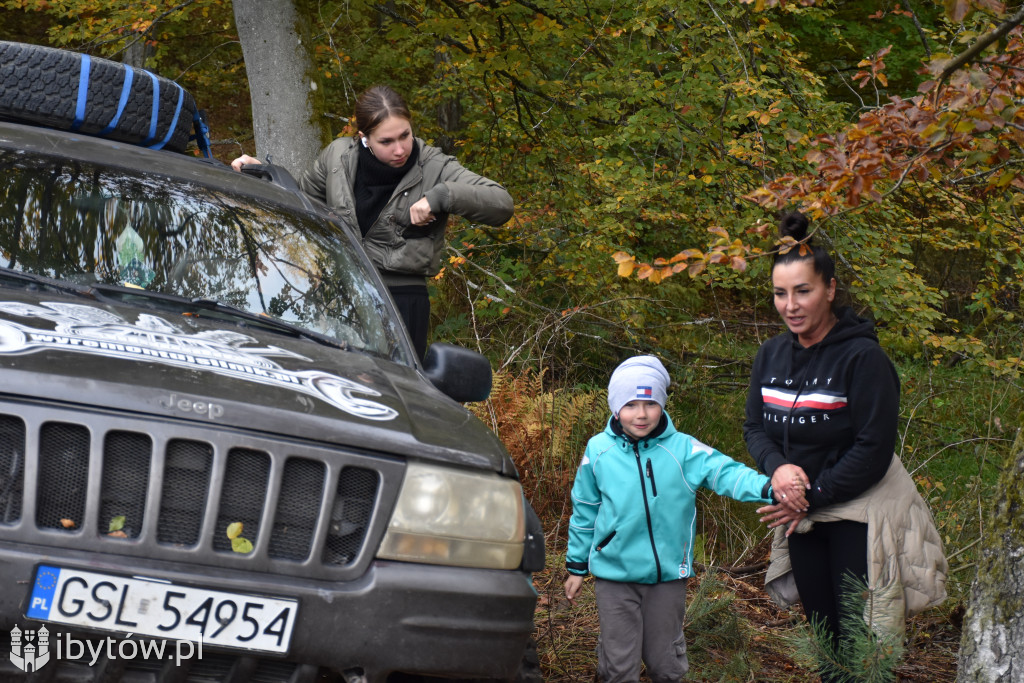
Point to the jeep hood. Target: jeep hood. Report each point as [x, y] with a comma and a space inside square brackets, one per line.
[177, 366]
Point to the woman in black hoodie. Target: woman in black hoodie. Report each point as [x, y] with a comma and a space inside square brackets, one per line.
[821, 421]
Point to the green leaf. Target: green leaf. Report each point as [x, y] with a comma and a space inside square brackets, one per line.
[116, 523]
[241, 545]
[234, 530]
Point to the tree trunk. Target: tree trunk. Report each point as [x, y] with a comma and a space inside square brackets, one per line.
[990, 647]
[279, 63]
[137, 51]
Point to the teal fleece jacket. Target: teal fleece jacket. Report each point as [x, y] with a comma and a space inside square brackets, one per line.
[634, 505]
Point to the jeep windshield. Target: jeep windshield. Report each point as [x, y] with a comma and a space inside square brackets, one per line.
[187, 245]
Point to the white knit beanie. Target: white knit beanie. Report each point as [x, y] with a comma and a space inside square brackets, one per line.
[641, 378]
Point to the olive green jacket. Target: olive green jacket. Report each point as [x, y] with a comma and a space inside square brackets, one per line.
[406, 254]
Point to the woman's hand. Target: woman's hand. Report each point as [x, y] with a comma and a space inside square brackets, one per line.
[420, 213]
[243, 160]
[789, 483]
[572, 587]
[776, 515]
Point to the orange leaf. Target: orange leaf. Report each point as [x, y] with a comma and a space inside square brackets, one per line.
[718, 230]
[626, 268]
[621, 256]
[67, 523]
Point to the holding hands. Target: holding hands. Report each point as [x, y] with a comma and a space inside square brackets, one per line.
[789, 482]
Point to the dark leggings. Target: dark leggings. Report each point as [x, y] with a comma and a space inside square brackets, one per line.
[821, 559]
[413, 303]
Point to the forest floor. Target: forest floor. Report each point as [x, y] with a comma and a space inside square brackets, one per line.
[566, 637]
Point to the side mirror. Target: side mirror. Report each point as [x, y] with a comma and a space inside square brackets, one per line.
[459, 373]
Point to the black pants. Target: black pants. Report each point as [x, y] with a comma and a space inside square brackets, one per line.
[821, 559]
[413, 304]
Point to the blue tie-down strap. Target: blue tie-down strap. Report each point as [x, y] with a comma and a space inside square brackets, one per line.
[126, 90]
[82, 101]
[201, 134]
[174, 119]
[83, 91]
[155, 110]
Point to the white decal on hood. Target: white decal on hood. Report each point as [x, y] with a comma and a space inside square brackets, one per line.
[87, 329]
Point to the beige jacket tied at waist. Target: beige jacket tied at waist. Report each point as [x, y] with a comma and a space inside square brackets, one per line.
[906, 563]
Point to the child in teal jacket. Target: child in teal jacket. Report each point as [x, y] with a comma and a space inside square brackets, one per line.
[633, 523]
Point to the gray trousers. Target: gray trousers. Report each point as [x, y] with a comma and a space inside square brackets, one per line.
[641, 621]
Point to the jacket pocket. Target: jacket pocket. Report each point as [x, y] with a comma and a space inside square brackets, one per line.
[608, 539]
[411, 256]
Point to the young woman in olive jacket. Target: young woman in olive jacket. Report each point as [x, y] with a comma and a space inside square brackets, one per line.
[400, 192]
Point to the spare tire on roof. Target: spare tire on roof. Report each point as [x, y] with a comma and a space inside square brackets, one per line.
[72, 91]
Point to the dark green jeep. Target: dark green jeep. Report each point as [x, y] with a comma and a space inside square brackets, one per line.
[213, 428]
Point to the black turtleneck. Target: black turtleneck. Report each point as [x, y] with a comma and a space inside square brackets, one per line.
[375, 183]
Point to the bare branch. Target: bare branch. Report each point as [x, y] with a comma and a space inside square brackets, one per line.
[917, 24]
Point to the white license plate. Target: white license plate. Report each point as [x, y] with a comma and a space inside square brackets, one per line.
[145, 606]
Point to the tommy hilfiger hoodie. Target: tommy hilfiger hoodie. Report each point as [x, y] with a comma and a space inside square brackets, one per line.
[832, 408]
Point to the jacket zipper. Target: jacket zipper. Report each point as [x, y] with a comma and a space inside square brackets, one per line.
[650, 475]
[647, 509]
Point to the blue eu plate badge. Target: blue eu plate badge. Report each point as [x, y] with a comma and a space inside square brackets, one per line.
[42, 593]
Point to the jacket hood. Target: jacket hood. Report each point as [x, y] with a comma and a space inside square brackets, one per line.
[177, 367]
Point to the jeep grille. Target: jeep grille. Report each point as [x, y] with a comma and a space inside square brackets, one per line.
[169, 490]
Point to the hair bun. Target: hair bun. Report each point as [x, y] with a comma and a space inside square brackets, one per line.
[793, 224]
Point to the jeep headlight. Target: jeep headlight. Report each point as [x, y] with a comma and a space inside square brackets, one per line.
[452, 517]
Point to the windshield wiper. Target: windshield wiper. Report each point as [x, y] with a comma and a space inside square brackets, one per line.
[21, 276]
[181, 302]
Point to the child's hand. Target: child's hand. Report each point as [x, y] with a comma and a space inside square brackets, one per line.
[573, 585]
